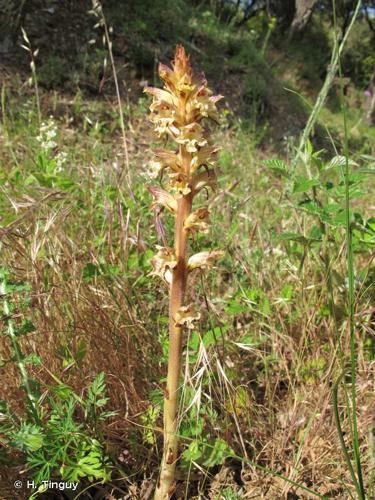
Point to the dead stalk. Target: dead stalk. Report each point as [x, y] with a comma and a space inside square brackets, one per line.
[98, 12]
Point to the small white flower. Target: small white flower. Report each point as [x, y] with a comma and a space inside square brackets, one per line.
[47, 134]
[60, 159]
[154, 169]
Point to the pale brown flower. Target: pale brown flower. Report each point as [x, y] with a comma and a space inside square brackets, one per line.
[168, 159]
[163, 262]
[207, 155]
[204, 260]
[179, 182]
[203, 180]
[186, 316]
[197, 221]
[163, 198]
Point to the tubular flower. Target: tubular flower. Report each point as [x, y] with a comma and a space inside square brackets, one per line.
[204, 260]
[178, 111]
[163, 262]
[186, 315]
[163, 198]
[197, 221]
[207, 155]
[168, 159]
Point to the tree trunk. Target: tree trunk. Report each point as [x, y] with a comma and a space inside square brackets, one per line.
[304, 10]
[370, 111]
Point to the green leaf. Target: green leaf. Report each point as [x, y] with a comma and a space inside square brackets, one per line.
[310, 207]
[29, 438]
[193, 427]
[98, 385]
[218, 453]
[315, 234]
[65, 184]
[211, 336]
[292, 237]
[90, 271]
[133, 261]
[234, 307]
[303, 184]
[278, 166]
[339, 219]
[32, 359]
[26, 327]
[101, 402]
[340, 161]
[370, 224]
[194, 341]
[81, 350]
[157, 396]
[206, 453]
[286, 292]
[63, 391]
[193, 453]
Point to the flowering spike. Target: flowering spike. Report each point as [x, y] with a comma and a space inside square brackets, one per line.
[178, 111]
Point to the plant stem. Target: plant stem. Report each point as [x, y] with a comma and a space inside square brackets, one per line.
[341, 434]
[177, 292]
[351, 306]
[331, 73]
[36, 89]
[119, 104]
[19, 357]
[351, 283]
[177, 110]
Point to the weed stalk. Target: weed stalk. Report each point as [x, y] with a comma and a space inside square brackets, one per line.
[98, 12]
[33, 79]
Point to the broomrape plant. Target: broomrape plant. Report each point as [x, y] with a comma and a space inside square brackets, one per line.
[178, 112]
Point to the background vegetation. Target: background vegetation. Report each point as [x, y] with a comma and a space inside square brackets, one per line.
[83, 343]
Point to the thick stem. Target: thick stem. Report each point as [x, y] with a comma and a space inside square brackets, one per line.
[170, 453]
